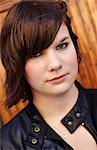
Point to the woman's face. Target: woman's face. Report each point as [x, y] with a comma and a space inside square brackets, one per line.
[54, 70]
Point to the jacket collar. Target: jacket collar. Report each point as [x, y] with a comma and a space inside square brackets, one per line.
[72, 120]
[78, 113]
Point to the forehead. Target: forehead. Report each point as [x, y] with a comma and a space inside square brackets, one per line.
[62, 33]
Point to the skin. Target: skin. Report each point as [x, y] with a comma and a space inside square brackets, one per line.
[51, 75]
[59, 59]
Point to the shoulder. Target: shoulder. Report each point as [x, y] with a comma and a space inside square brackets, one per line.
[15, 130]
[91, 94]
[91, 101]
[20, 117]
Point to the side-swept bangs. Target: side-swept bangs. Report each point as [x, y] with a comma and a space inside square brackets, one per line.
[34, 27]
[30, 27]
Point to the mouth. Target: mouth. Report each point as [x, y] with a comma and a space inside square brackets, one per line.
[58, 79]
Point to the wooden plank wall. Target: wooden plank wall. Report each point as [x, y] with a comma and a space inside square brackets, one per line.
[84, 20]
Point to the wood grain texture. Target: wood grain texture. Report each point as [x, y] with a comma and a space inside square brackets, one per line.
[6, 4]
[84, 20]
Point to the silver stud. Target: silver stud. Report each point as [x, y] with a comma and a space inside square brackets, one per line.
[70, 123]
[34, 141]
[82, 123]
[77, 115]
[37, 129]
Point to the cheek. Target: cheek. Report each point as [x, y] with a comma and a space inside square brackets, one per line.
[29, 72]
[74, 65]
[71, 57]
[72, 60]
[33, 72]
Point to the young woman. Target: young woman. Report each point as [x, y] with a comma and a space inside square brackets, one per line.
[40, 54]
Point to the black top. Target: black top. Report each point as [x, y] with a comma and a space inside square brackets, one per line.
[29, 131]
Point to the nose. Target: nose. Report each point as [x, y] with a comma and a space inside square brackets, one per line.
[54, 61]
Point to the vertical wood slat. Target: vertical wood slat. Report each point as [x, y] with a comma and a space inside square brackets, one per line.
[86, 28]
[84, 20]
[6, 4]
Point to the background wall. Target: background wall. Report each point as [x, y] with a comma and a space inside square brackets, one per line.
[84, 20]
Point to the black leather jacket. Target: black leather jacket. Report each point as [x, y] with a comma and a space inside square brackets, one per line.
[28, 130]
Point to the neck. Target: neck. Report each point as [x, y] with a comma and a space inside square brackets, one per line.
[56, 107]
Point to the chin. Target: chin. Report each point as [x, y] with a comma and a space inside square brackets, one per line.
[63, 88]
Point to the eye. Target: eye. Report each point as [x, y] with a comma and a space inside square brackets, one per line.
[62, 46]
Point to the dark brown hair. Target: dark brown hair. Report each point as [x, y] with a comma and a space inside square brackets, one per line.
[29, 27]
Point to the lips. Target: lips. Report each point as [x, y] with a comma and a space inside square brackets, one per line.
[58, 79]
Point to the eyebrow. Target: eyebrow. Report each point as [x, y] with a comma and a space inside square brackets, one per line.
[63, 39]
